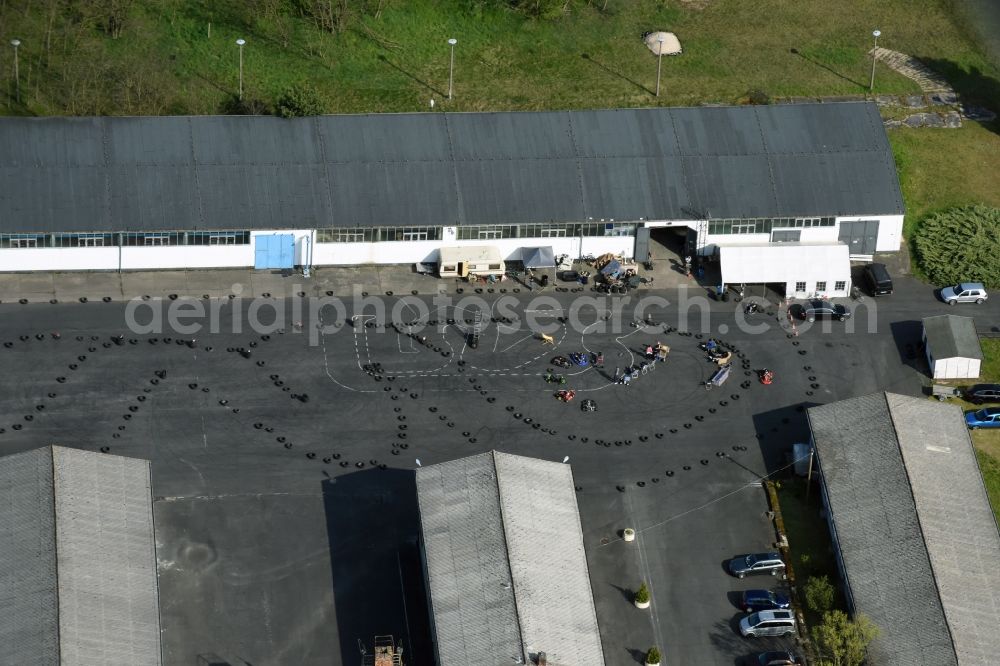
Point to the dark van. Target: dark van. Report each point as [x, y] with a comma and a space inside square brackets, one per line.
[878, 278]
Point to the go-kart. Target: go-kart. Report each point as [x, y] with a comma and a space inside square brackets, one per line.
[560, 361]
[579, 359]
[552, 378]
[709, 346]
[565, 395]
[588, 405]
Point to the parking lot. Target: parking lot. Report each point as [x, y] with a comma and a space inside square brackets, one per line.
[282, 474]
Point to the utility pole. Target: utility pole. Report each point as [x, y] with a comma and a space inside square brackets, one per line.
[876, 34]
[809, 474]
[240, 42]
[659, 61]
[451, 68]
[17, 76]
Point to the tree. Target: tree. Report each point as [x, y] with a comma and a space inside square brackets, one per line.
[819, 594]
[642, 594]
[653, 655]
[961, 245]
[299, 100]
[115, 13]
[842, 641]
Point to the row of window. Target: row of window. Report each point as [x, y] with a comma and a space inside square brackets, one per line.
[839, 285]
[129, 239]
[378, 234]
[764, 225]
[550, 230]
[416, 233]
[476, 232]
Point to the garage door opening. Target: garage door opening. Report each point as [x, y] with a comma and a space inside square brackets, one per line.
[671, 244]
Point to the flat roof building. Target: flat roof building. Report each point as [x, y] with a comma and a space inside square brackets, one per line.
[916, 540]
[506, 570]
[77, 560]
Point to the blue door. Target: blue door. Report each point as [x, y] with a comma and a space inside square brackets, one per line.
[276, 251]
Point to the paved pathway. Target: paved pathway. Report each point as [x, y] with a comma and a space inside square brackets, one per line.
[928, 80]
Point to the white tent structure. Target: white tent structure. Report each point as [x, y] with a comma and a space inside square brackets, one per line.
[538, 257]
[805, 269]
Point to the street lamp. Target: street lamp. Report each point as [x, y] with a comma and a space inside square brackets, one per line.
[17, 78]
[451, 69]
[876, 34]
[659, 60]
[240, 42]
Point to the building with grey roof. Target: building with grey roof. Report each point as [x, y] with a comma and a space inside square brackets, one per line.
[917, 542]
[77, 560]
[230, 191]
[506, 571]
[952, 346]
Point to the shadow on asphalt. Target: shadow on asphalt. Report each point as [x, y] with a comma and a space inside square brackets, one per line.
[908, 336]
[725, 636]
[778, 430]
[378, 589]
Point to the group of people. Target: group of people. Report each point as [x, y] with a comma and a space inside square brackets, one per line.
[657, 351]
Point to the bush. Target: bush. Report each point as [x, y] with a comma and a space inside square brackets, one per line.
[298, 101]
[653, 656]
[642, 594]
[842, 641]
[234, 106]
[961, 245]
[819, 593]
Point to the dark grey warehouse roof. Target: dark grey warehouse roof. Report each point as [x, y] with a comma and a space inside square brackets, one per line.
[247, 172]
[914, 527]
[952, 336]
[77, 560]
[506, 570]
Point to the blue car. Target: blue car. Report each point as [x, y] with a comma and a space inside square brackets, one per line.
[983, 418]
[758, 600]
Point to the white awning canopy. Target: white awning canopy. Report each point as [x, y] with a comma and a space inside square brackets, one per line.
[784, 262]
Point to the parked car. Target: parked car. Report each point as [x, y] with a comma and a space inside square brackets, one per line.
[981, 393]
[878, 279]
[758, 600]
[780, 658]
[983, 418]
[757, 563]
[824, 310]
[965, 292]
[768, 623]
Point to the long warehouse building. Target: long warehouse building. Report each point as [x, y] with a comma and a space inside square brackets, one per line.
[141, 193]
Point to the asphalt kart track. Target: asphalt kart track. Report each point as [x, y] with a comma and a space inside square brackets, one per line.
[282, 470]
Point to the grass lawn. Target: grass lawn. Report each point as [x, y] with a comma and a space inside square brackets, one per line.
[166, 62]
[987, 442]
[939, 169]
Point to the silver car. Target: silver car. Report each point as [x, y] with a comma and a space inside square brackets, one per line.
[966, 292]
[768, 623]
